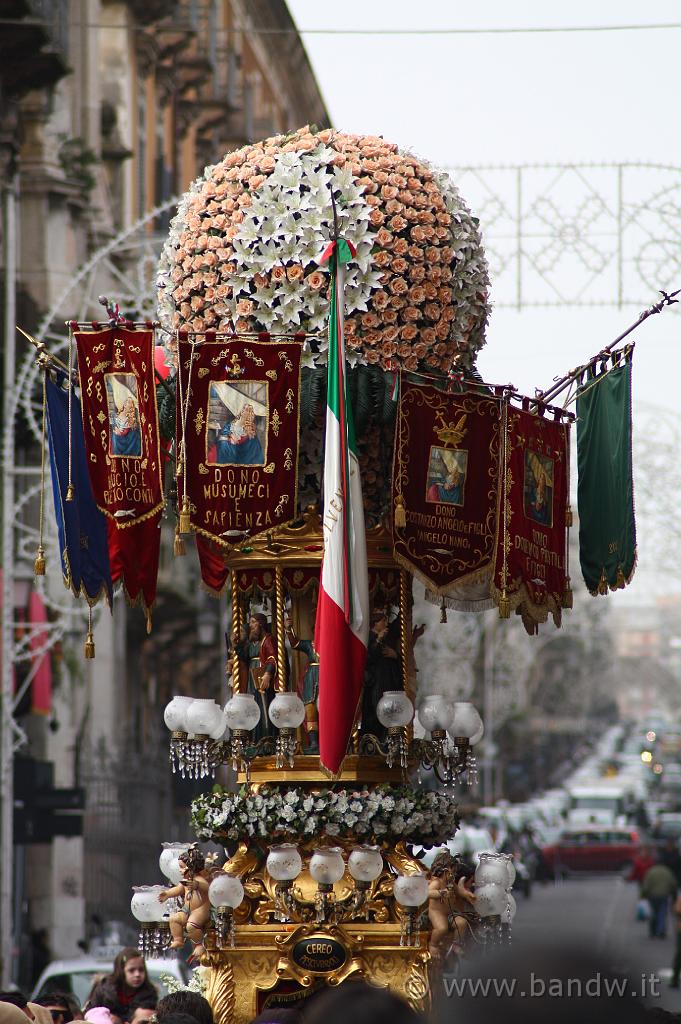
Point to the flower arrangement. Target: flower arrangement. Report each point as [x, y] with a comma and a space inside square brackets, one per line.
[243, 250]
[382, 813]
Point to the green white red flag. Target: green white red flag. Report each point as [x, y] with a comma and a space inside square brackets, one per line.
[342, 624]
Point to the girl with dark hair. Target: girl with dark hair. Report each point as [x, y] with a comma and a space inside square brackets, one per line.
[127, 981]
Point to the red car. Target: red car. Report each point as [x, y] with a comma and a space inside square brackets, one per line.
[592, 848]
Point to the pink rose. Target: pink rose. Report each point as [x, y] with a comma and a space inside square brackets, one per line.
[278, 274]
[223, 291]
[433, 254]
[417, 234]
[197, 303]
[433, 274]
[444, 219]
[432, 310]
[444, 295]
[398, 180]
[370, 320]
[416, 273]
[411, 313]
[266, 164]
[442, 330]
[397, 223]
[255, 181]
[371, 355]
[244, 307]
[441, 233]
[376, 218]
[389, 192]
[380, 177]
[416, 253]
[379, 300]
[428, 336]
[373, 200]
[383, 238]
[295, 272]
[197, 324]
[397, 302]
[430, 290]
[315, 280]
[408, 332]
[389, 316]
[185, 310]
[394, 206]
[404, 350]
[242, 325]
[426, 217]
[398, 286]
[417, 295]
[411, 363]
[368, 184]
[401, 247]
[413, 184]
[448, 313]
[390, 334]
[399, 265]
[210, 258]
[382, 258]
[420, 350]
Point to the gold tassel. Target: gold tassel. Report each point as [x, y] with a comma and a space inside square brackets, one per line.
[567, 601]
[89, 639]
[179, 546]
[620, 582]
[39, 563]
[89, 646]
[568, 517]
[70, 493]
[179, 467]
[400, 512]
[504, 606]
[185, 524]
[602, 584]
[443, 611]
[147, 612]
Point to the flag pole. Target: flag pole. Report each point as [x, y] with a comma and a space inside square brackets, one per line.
[668, 299]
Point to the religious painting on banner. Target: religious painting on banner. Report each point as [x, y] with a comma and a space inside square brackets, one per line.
[120, 428]
[237, 427]
[445, 485]
[531, 568]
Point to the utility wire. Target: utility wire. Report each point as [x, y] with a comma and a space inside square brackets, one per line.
[508, 30]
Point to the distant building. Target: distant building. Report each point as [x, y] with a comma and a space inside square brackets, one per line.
[108, 109]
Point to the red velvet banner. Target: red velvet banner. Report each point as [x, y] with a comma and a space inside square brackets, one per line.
[238, 406]
[120, 427]
[531, 574]
[445, 484]
[120, 422]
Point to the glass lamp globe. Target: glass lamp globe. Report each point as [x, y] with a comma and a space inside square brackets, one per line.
[287, 711]
[284, 862]
[510, 867]
[365, 863]
[175, 714]
[221, 731]
[225, 891]
[466, 721]
[145, 904]
[492, 869]
[203, 717]
[411, 890]
[168, 861]
[242, 712]
[394, 709]
[510, 911]
[435, 713]
[476, 737]
[327, 865]
[490, 899]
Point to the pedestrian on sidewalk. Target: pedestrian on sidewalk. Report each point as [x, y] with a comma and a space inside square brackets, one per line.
[659, 887]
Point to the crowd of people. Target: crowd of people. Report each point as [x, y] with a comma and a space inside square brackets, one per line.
[127, 996]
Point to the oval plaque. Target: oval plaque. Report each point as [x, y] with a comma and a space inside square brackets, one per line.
[319, 954]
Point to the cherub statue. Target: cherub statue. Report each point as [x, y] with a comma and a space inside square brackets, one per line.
[194, 914]
[450, 905]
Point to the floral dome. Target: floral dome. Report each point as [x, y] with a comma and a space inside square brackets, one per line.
[244, 246]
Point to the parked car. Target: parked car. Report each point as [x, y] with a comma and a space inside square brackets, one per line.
[592, 848]
[77, 975]
[667, 826]
[468, 843]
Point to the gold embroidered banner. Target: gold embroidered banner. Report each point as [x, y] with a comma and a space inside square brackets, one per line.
[445, 484]
[237, 435]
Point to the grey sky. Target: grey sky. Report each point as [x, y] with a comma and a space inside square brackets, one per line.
[509, 99]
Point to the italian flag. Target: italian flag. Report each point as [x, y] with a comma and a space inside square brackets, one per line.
[342, 623]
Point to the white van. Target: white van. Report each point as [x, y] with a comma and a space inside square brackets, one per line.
[597, 805]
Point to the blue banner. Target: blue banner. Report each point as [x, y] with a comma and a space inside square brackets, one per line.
[81, 526]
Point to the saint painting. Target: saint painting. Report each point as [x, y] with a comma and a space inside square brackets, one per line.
[446, 475]
[237, 418]
[538, 488]
[124, 416]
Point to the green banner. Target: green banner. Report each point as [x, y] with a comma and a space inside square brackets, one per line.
[605, 490]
